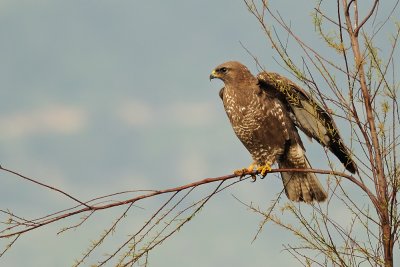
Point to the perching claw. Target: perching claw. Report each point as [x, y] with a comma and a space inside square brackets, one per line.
[264, 169]
[245, 171]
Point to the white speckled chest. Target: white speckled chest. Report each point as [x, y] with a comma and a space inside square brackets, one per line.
[258, 121]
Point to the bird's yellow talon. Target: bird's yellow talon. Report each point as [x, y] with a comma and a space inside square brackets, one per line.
[246, 171]
[264, 169]
[241, 172]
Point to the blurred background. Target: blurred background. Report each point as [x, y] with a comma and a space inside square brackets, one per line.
[99, 96]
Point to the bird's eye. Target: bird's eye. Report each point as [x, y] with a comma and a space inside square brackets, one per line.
[223, 70]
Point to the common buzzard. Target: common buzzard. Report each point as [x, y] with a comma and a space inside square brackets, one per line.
[264, 112]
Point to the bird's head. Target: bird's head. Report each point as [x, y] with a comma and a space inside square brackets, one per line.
[231, 71]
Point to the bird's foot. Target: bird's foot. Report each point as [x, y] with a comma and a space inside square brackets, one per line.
[264, 169]
[245, 171]
[241, 172]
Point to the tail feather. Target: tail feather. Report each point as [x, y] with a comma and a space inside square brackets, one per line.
[339, 149]
[301, 186]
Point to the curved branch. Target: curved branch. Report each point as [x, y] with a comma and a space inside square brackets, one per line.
[366, 18]
[130, 201]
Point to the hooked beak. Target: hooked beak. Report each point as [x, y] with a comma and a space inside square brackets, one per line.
[213, 75]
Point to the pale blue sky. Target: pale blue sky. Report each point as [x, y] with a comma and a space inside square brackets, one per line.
[103, 96]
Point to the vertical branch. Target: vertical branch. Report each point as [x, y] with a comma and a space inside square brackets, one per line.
[359, 61]
[376, 161]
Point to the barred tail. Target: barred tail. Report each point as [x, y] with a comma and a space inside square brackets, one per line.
[302, 186]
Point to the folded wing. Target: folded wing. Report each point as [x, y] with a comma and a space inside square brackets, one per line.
[308, 115]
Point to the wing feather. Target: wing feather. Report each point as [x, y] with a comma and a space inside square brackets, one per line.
[308, 115]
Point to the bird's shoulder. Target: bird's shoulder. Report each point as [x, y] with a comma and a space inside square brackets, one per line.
[282, 88]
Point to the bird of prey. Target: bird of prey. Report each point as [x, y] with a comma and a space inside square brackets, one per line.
[265, 112]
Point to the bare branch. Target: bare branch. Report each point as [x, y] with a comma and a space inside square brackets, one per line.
[356, 31]
[44, 185]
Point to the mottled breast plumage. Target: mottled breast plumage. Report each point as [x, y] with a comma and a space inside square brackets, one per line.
[254, 118]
